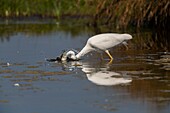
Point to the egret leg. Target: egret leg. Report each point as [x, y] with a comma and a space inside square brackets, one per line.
[126, 47]
[101, 55]
[111, 58]
[125, 44]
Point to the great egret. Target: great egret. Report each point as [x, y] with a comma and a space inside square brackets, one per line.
[101, 42]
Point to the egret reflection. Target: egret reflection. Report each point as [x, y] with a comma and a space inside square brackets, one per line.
[106, 78]
[98, 75]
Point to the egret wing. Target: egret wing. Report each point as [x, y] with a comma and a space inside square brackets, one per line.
[104, 42]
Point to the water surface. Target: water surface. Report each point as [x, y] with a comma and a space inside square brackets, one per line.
[136, 81]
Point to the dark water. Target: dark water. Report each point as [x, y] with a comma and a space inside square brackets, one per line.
[138, 81]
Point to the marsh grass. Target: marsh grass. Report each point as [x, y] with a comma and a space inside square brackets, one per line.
[16, 8]
[133, 12]
[44, 8]
[121, 13]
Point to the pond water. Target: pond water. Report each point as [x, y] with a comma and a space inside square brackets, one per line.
[136, 81]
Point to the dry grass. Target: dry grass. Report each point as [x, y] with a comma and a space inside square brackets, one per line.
[133, 12]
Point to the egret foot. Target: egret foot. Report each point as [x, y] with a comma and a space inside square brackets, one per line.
[110, 62]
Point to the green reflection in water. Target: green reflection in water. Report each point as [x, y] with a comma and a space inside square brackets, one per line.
[144, 39]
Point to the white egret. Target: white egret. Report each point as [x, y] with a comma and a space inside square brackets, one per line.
[101, 42]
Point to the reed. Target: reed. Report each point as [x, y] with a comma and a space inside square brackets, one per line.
[17, 8]
[44, 8]
[133, 12]
[120, 13]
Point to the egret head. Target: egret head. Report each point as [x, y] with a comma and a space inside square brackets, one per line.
[66, 56]
[71, 55]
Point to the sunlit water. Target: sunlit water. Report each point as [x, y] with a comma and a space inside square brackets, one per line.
[136, 82]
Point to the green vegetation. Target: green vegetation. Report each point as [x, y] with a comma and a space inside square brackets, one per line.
[44, 8]
[121, 12]
[16, 8]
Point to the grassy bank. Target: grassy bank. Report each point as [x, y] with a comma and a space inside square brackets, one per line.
[121, 13]
[18, 8]
[44, 8]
